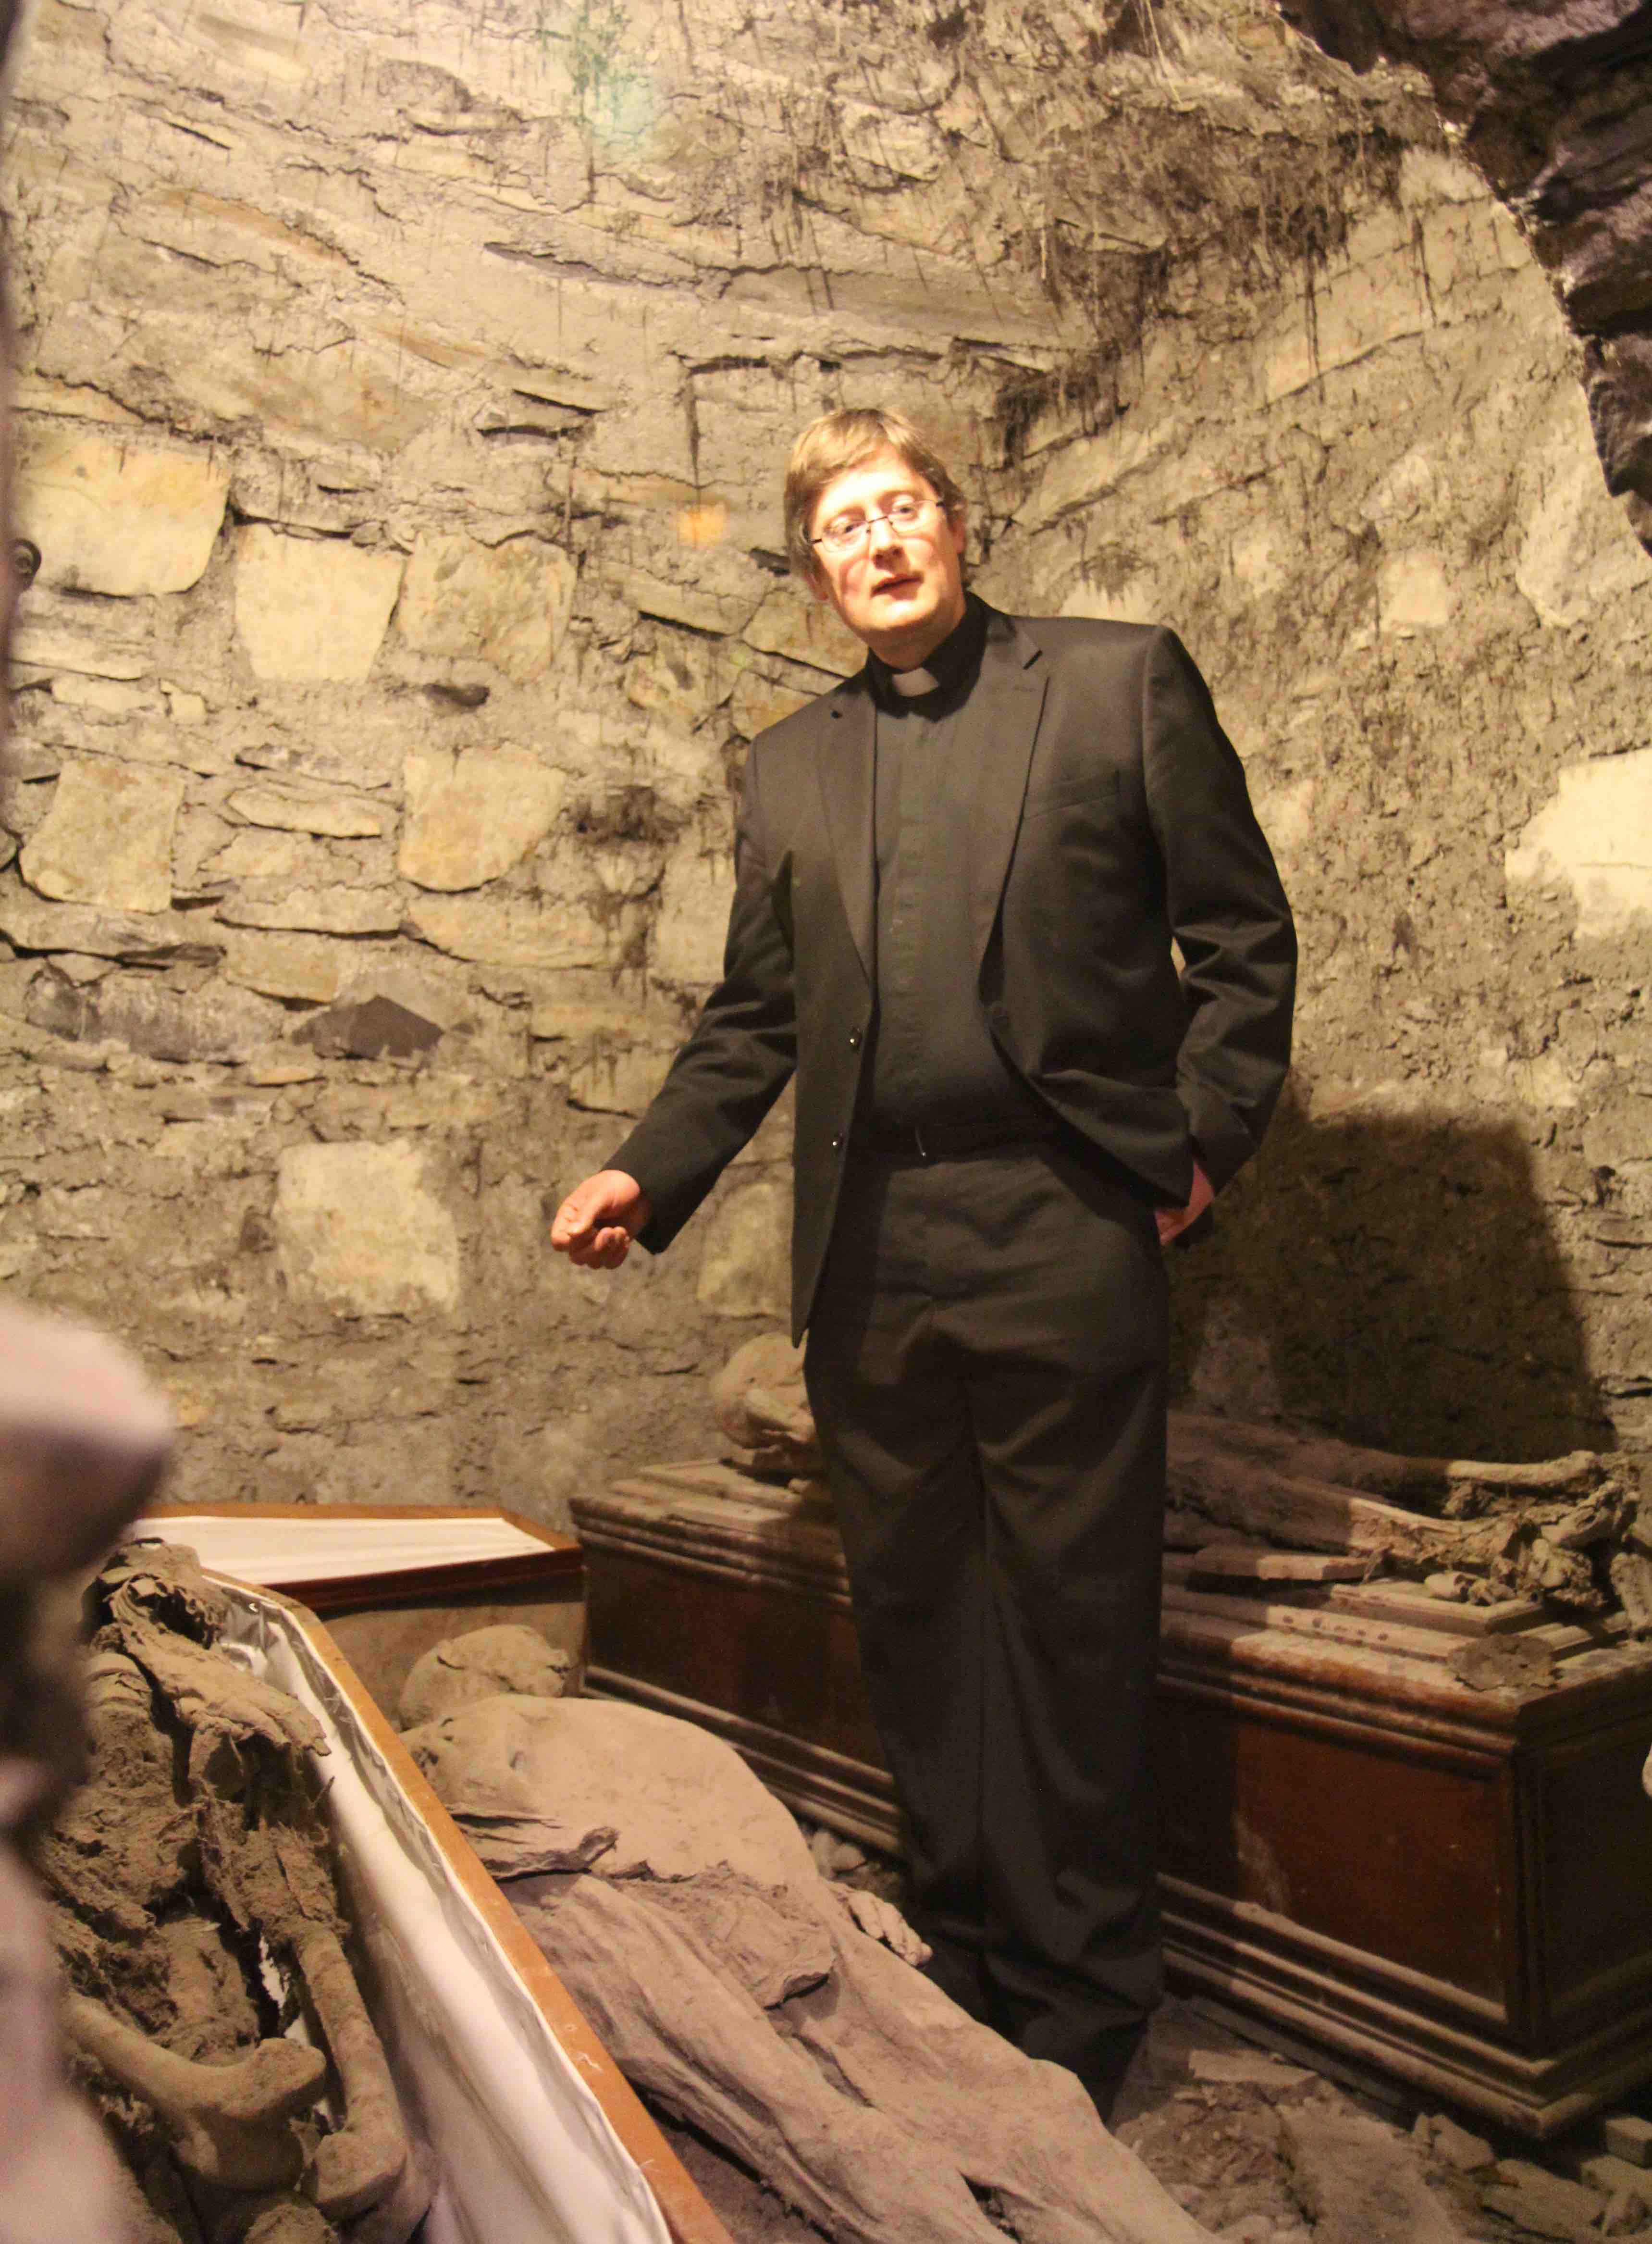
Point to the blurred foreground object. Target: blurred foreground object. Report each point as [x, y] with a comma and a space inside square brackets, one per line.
[84, 1440]
[196, 1915]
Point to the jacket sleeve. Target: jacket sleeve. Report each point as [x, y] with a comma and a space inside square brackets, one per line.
[1227, 911]
[739, 1056]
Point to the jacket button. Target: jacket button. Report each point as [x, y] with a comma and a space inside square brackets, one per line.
[837, 1142]
[855, 1040]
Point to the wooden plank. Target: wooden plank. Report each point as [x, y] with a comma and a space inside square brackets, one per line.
[1402, 1601]
[1300, 1512]
[1410, 1602]
[1248, 1562]
[1394, 1638]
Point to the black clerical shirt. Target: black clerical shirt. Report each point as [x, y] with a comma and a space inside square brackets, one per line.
[932, 1057]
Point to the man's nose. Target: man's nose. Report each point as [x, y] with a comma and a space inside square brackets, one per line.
[881, 535]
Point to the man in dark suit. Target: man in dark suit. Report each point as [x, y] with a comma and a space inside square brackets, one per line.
[959, 878]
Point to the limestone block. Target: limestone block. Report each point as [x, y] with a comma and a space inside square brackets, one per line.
[746, 1268]
[473, 813]
[214, 1022]
[681, 680]
[1378, 295]
[1137, 599]
[277, 965]
[507, 932]
[1579, 550]
[1286, 815]
[506, 605]
[558, 1013]
[1092, 466]
[793, 622]
[757, 702]
[1415, 594]
[256, 854]
[701, 607]
[357, 1228]
[110, 515]
[332, 910]
[369, 1028]
[184, 706]
[343, 816]
[108, 837]
[689, 934]
[105, 697]
[618, 1078]
[49, 646]
[1597, 838]
[32, 923]
[1263, 557]
[312, 609]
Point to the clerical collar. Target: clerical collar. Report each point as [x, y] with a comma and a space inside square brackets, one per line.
[951, 665]
[909, 684]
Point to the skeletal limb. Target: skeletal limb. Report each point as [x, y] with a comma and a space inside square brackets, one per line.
[360, 2164]
[231, 2123]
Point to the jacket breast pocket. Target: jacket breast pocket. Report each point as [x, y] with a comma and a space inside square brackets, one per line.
[1098, 790]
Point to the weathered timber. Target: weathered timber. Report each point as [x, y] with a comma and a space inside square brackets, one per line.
[1247, 1562]
[1428, 1482]
[1206, 1474]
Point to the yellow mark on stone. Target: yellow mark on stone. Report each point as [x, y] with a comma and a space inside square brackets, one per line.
[704, 524]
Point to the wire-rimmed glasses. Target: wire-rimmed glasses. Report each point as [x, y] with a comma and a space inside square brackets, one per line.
[905, 516]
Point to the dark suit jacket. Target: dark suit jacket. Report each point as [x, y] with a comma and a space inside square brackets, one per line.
[1112, 817]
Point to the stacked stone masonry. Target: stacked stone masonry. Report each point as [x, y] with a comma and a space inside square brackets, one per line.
[403, 400]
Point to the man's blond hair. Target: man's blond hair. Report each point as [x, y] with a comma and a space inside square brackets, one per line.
[835, 445]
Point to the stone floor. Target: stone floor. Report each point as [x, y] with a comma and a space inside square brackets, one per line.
[1261, 2150]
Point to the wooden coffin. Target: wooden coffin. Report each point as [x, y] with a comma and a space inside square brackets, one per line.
[1452, 1885]
[391, 1580]
[537, 2134]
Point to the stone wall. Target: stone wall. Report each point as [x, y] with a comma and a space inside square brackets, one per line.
[404, 396]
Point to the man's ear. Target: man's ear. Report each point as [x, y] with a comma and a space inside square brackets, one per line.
[814, 578]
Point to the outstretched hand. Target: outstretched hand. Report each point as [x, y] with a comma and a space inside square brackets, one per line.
[595, 1225]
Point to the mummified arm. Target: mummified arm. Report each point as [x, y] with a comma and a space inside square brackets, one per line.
[359, 2165]
[230, 2123]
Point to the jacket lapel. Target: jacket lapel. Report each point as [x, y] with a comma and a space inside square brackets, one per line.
[1004, 710]
[844, 760]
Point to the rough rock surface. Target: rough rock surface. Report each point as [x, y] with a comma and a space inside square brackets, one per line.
[1557, 112]
[498, 325]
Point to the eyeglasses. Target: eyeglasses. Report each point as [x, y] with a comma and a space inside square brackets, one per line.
[839, 538]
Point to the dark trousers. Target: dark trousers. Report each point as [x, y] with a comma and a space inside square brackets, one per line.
[986, 1366]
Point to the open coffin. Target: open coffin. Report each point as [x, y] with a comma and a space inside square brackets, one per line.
[539, 2138]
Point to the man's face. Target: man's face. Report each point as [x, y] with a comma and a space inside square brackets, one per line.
[900, 589]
